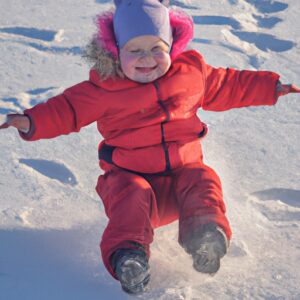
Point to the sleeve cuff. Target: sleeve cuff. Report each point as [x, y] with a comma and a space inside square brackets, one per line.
[28, 135]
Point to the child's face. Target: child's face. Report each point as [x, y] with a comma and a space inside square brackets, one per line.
[145, 58]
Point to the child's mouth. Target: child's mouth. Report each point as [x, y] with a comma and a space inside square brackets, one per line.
[146, 70]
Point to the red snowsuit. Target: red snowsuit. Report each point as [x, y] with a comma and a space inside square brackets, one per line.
[154, 173]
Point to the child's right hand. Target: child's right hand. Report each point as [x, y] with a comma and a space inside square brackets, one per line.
[21, 122]
[284, 89]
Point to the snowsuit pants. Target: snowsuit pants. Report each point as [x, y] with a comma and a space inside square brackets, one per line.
[136, 204]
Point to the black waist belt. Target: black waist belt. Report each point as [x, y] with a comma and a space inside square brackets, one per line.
[203, 132]
[106, 152]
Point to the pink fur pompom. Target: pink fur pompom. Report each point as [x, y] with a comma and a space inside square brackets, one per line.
[182, 29]
[105, 35]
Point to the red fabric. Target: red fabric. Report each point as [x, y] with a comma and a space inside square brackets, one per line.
[4, 125]
[136, 205]
[129, 115]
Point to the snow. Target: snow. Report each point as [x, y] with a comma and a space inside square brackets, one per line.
[51, 218]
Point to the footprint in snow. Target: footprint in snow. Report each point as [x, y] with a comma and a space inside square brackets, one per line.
[236, 36]
[42, 36]
[217, 20]
[278, 204]
[53, 49]
[52, 170]
[287, 196]
[33, 33]
[183, 4]
[262, 21]
[25, 100]
[103, 1]
[268, 6]
[238, 249]
[266, 21]
[264, 41]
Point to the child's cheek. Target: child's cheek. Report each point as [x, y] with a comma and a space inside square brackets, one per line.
[164, 60]
[164, 57]
[127, 62]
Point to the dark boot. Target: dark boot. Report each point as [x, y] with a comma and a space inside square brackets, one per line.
[132, 270]
[207, 246]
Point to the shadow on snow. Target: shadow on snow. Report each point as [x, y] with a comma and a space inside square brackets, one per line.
[52, 170]
[33, 33]
[268, 6]
[51, 265]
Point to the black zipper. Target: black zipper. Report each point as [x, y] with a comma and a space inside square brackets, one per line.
[163, 141]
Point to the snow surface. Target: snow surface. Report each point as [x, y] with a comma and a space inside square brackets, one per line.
[51, 218]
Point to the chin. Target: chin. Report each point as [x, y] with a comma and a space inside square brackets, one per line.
[146, 78]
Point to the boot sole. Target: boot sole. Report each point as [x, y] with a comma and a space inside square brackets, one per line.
[213, 246]
[134, 277]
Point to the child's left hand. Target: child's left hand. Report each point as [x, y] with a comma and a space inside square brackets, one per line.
[284, 89]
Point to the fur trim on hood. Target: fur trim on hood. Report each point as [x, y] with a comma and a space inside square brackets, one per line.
[102, 52]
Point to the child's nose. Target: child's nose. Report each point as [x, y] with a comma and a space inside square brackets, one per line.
[147, 57]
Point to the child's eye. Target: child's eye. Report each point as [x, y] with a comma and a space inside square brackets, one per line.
[157, 49]
[136, 51]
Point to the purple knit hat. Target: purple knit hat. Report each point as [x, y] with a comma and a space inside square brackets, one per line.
[134, 18]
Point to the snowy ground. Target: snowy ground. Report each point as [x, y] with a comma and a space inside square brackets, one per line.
[51, 219]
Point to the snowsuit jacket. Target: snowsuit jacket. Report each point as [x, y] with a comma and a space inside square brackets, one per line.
[153, 127]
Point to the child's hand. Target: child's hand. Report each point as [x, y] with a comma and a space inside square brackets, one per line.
[284, 89]
[21, 122]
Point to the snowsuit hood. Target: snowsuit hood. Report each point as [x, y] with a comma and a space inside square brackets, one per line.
[102, 51]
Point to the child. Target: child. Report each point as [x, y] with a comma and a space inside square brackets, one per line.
[144, 92]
